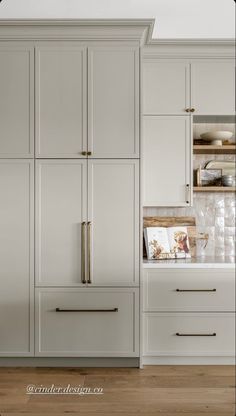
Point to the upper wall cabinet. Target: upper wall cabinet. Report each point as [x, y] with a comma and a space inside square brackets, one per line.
[213, 87]
[61, 113]
[16, 102]
[113, 101]
[165, 87]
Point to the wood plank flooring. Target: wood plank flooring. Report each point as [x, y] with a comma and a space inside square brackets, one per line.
[155, 390]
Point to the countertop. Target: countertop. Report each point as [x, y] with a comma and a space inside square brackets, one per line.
[193, 263]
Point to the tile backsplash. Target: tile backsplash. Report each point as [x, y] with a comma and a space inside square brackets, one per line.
[214, 211]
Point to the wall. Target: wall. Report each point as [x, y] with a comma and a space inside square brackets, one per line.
[174, 18]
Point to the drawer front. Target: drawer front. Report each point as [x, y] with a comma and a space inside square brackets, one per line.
[189, 290]
[195, 334]
[89, 322]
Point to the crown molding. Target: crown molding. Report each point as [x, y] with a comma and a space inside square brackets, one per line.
[77, 29]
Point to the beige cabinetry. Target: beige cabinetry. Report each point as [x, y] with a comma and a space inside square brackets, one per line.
[16, 257]
[16, 101]
[188, 313]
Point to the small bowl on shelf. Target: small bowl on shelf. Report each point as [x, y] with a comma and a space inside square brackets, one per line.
[216, 137]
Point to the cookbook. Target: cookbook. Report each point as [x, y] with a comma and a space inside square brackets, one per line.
[167, 242]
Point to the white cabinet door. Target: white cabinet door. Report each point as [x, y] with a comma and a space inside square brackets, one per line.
[61, 101]
[113, 101]
[213, 87]
[60, 211]
[166, 161]
[16, 102]
[113, 209]
[165, 87]
[87, 322]
[16, 257]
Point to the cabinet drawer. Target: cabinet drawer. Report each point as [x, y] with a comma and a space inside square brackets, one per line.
[89, 322]
[189, 290]
[199, 334]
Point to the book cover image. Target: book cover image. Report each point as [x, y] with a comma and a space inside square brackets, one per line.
[164, 243]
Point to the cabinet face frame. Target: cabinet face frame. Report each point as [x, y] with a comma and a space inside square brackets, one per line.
[30, 180]
[70, 47]
[17, 48]
[92, 48]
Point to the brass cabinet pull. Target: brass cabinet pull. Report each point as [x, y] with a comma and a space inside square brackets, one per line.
[83, 228]
[89, 251]
[86, 310]
[84, 153]
[89, 153]
[178, 334]
[187, 110]
[192, 110]
[195, 290]
[187, 193]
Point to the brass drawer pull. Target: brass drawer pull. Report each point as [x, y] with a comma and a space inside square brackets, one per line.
[195, 290]
[195, 335]
[86, 310]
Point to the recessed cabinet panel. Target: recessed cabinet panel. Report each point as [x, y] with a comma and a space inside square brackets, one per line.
[60, 211]
[113, 203]
[16, 257]
[113, 102]
[87, 322]
[16, 102]
[61, 101]
[165, 87]
[213, 87]
[166, 161]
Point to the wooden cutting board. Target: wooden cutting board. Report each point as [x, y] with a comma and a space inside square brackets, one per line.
[189, 222]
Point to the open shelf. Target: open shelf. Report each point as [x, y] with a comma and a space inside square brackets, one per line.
[207, 148]
[214, 188]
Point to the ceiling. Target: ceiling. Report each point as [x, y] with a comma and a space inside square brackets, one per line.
[174, 18]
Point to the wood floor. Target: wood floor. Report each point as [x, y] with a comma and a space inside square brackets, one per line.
[155, 390]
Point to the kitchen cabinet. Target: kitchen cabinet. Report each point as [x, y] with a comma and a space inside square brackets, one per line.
[166, 161]
[16, 257]
[61, 97]
[16, 101]
[188, 314]
[87, 107]
[213, 86]
[87, 322]
[113, 101]
[166, 86]
[78, 244]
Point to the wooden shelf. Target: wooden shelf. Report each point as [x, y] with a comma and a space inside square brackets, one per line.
[207, 148]
[214, 188]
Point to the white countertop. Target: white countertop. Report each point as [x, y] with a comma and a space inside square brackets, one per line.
[193, 263]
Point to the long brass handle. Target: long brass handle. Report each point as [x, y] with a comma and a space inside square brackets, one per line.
[178, 334]
[195, 290]
[83, 228]
[89, 251]
[86, 310]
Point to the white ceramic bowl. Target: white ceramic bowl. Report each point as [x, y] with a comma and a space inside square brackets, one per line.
[216, 135]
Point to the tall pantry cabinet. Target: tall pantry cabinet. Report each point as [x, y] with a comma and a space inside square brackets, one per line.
[69, 149]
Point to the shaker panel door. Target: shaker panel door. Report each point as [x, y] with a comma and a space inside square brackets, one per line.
[16, 102]
[60, 101]
[113, 102]
[113, 209]
[213, 87]
[60, 211]
[166, 161]
[16, 257]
